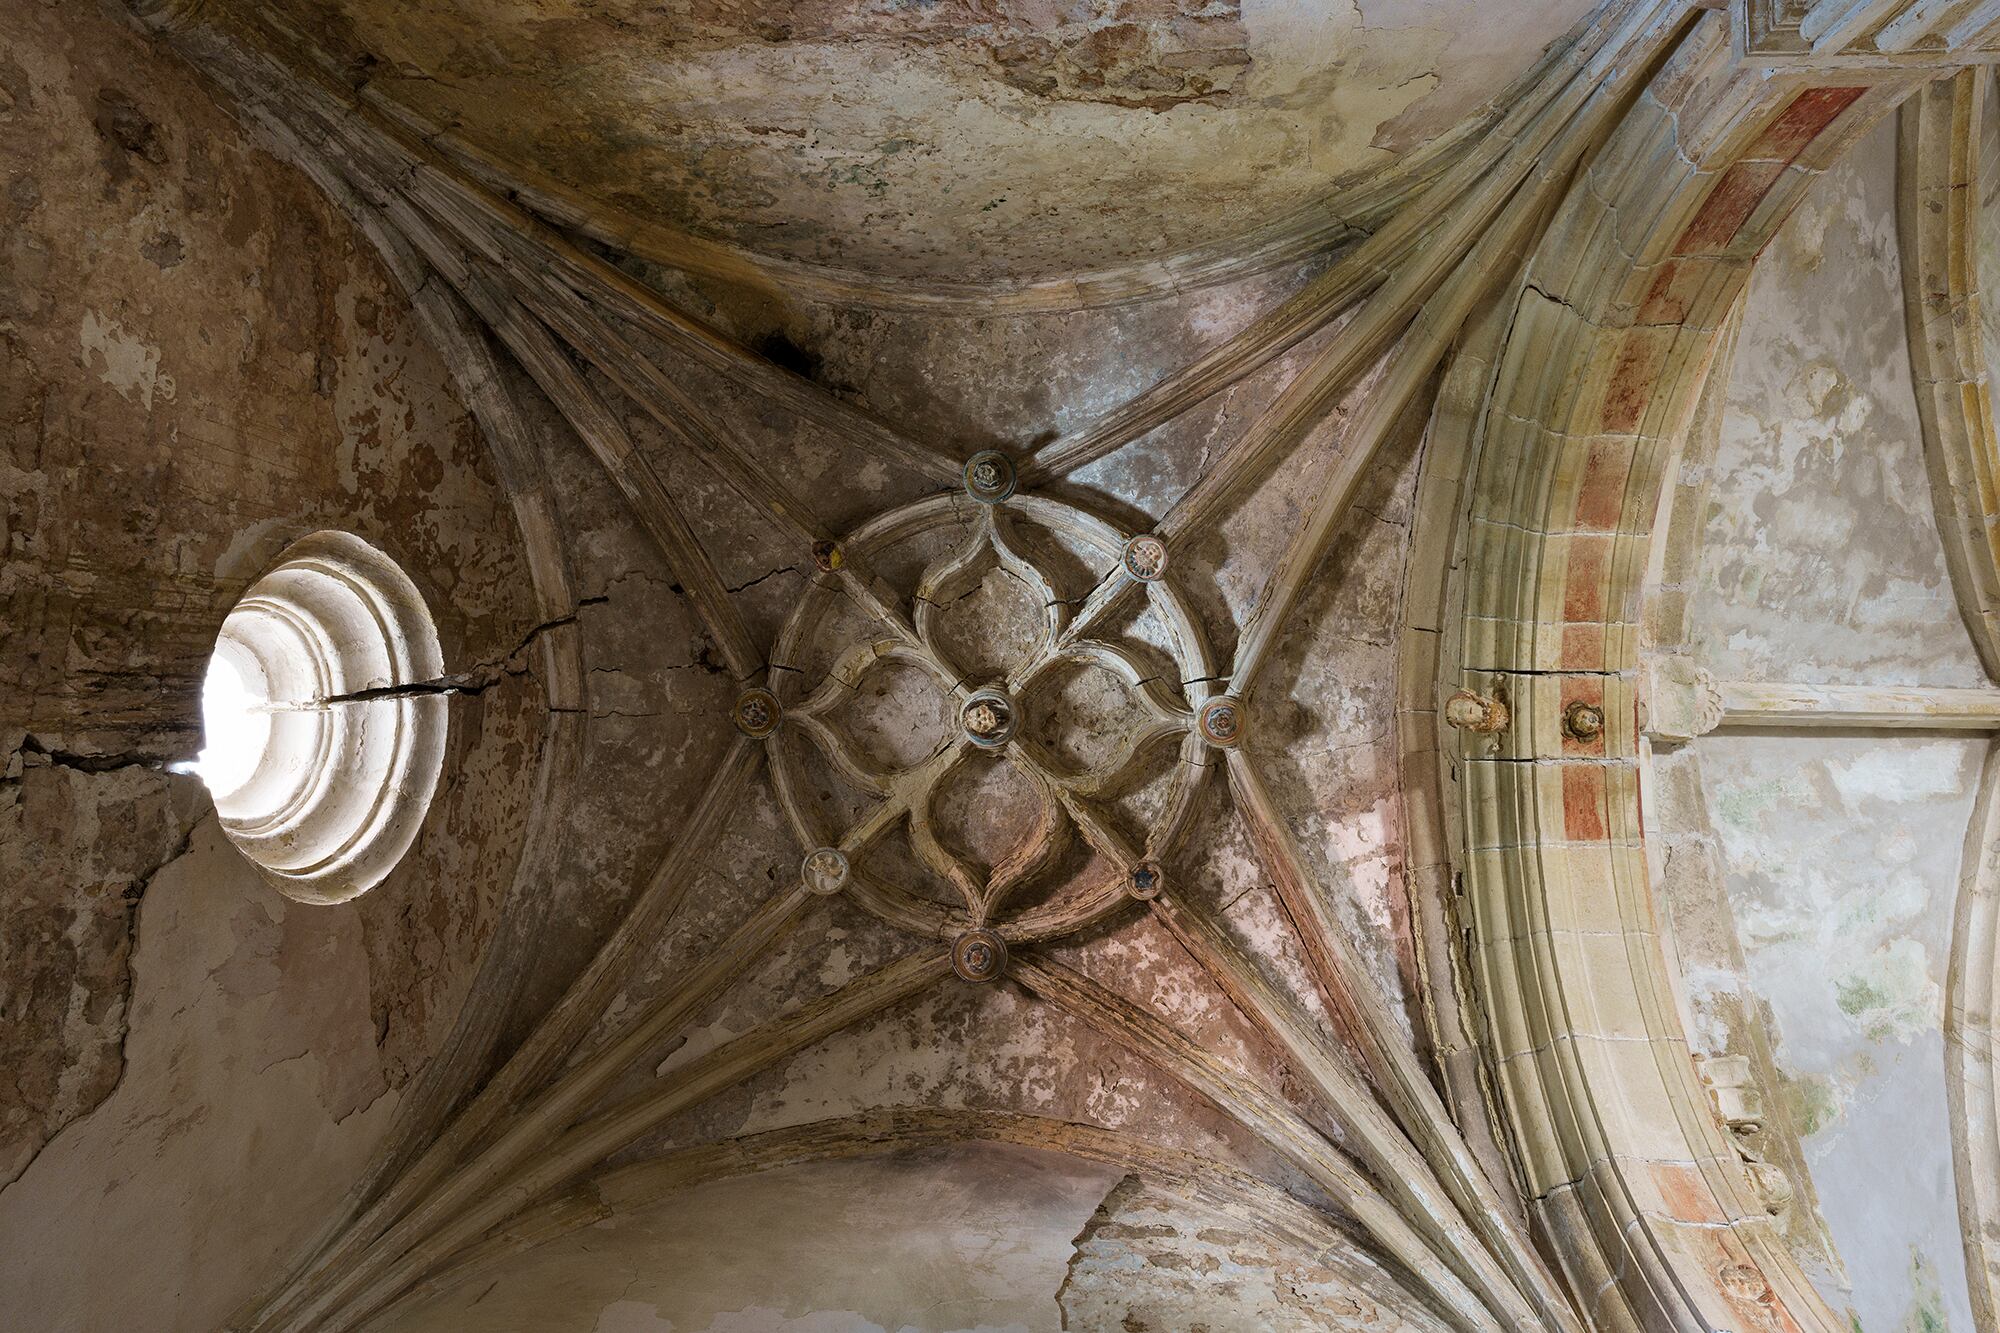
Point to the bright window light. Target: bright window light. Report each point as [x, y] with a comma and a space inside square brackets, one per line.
[236, 727]
[325, 797]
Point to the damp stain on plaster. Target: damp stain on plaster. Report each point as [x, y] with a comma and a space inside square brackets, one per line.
[1892, 994]
[124, 361]
[956, 141]
[1839, 852]
[1927, 1308]
[1822, 561]
[1810, 1104]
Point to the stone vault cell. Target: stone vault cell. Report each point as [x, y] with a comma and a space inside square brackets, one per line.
[323, 720]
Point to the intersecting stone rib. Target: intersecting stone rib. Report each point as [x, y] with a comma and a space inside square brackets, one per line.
[1097, 830]
[379, 161]
[868, 1134]
[1271, 1120]
[612, 446]
[495, 403]
[1496, 1261]
[1424, 304]
[1049, 839]
[1939, 194]
[1833, 25]
[1410, 368]
[559, 1032]
[522, 242]
[592, 1142]
[1918, 20]
[1363, 1014]
[1430, 295]
[530, 242]
[442, 1212]
[846, 758]
[655, 391]
[1442, 218]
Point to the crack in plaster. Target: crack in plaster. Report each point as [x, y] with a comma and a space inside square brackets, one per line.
[473, 681]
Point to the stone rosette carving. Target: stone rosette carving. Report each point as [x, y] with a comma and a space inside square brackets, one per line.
[757, 713]
[989, 476]
[1582, 720]
[1145, 558]
[989, 718]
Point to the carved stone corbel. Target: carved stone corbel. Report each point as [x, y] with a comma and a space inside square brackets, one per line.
[1679, 700]
[1732, 1084]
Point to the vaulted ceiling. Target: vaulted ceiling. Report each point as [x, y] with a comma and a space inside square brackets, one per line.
[941, 144]
[1080, 643]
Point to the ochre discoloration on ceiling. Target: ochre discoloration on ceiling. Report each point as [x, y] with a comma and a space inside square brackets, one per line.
[200, 361]
[962, 140]
[595, 1055]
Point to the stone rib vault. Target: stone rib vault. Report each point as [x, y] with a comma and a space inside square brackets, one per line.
[923, 761]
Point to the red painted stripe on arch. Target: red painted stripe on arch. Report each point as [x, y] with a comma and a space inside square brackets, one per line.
[1739, 189]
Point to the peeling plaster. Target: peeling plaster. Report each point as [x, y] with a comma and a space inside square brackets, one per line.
[979, 1242]
[952, 141]
[202, 362]
[1822, 560]
[1150, 1263]
[242, 1063]
[130, 365]
[1843, 899]
[1839, 852]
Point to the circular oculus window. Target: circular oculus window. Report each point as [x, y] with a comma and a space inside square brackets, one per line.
[320, 766]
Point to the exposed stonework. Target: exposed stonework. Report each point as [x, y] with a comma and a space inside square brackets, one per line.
[856, 856]
[69, 927]
[200, 361]
[1149, 1263]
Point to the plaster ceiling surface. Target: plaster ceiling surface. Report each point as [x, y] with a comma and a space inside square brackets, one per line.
[978, 1237]
[740, 999]
[943, 140]
[1837, 854]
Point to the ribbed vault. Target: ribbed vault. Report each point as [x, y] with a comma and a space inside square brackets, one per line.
[985, 745]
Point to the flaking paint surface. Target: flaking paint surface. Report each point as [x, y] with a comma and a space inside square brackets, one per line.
[1822, 561]
[947, 140]
[1842, 861]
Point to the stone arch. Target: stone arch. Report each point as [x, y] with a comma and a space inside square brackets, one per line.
[1563, 412]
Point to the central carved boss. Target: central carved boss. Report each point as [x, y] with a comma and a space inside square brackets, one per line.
[853, 622]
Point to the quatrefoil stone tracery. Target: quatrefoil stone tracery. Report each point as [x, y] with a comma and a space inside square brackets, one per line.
[989, 716]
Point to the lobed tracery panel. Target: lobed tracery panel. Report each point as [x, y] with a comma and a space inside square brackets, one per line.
[989, 715]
